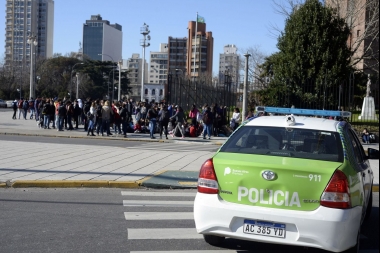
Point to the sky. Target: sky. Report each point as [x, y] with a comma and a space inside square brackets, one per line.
[244, 23]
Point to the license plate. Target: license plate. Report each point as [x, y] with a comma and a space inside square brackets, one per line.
[264, 228]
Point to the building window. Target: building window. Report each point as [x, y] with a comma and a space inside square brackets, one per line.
[146, 92]
[357, 33]
[161, 92]
[153, 92]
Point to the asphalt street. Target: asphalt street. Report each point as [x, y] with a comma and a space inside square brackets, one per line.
[119, 220]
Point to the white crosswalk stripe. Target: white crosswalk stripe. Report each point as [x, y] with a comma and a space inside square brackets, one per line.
[148, 200]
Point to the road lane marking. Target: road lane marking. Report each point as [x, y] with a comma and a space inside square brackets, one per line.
[158, 194]
[159, 215]
[151, 203]
[163, 234]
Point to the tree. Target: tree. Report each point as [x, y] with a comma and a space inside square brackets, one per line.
[363, 40]
[312, 47]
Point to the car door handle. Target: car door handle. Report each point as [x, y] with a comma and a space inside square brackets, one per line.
[363, 174]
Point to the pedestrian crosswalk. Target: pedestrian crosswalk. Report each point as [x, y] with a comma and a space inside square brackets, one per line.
[178, 147]
[161, 221]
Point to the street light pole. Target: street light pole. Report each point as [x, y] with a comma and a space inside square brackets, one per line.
[120, 63]
[71, 79]
[113, 77]
[144, 43]
[32, 40]
[246, 55]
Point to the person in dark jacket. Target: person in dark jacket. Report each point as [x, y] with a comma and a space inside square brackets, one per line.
[163, 120]
[77, 113]
[124, 118]
[14, 107]
[70, 114]
[180, 119]
[62, 112]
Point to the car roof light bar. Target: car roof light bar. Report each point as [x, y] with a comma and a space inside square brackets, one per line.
[310, 112]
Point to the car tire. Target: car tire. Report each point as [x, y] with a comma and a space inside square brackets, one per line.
[213, 240]
[356, 248]
[369, 209]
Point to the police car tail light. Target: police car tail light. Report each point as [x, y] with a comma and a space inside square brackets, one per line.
[207, 181]
[337, 193]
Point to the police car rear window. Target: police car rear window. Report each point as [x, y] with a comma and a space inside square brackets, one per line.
[286, 142]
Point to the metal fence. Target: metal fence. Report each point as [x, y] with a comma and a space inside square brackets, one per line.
[343, 94]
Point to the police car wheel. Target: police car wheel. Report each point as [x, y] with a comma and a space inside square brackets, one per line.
[213, 239]
[356, 248]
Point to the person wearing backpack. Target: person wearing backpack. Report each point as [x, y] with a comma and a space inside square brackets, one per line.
[77, 113]
[207, 122]
[163, 120]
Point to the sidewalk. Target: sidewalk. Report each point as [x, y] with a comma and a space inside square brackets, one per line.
[90, 169]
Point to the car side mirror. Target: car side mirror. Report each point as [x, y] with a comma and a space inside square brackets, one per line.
[373, 153]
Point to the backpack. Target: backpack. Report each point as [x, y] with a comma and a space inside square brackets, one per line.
[45, 108]
[99, 111]
[87, 107]
[90, 116]
[31, 103]
[206, 118]
[25, 105]
[164, 116]
[151, 114]
[62, 110]
[19, 105]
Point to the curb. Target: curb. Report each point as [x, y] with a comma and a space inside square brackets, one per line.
[101, 184]
[102, 138]
[72, 184]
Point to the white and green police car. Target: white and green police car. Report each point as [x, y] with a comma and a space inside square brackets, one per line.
[294, 180]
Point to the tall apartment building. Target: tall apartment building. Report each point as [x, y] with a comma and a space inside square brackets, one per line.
[229, 63]
[28, 18]
[102, 41]
[202, 43]
[177, 55]
[159, 65]
[134, 66]
[362, 18]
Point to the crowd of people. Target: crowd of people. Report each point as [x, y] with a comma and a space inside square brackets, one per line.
[122, 117]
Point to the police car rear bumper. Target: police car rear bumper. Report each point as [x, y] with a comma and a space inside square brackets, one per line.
[325, 228]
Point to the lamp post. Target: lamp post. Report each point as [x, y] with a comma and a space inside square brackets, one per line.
[32, 40]
[246, 55]
[120, 63]
[144, 43]
[77, 75]
[113, 80]
[71, 79]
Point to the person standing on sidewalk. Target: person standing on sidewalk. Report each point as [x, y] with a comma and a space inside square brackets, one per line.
[52, 113]
[207, 122]
[163, 120]
[62, 112]
[106, 118]
[86, 109]
[70, 114]
[19, 107]
[124, 118]
[152, 117]
[37, 108]
[91, 115]
[77, 112]
[56, 115]
[46, 114]
[179, 116]
[99, 124]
